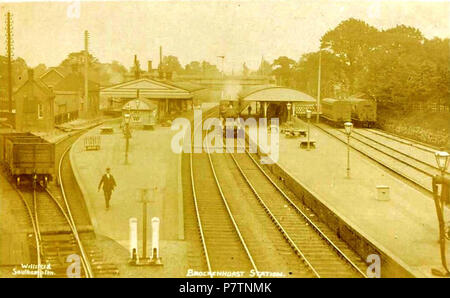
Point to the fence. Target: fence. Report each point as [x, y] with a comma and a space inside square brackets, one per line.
[419, 106]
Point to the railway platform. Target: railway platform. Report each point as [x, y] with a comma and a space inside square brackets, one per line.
[404, 227]
[151, 163]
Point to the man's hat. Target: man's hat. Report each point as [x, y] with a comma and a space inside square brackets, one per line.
[108, 169]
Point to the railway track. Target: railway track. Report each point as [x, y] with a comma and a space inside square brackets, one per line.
[404, 140]
[59, 240]
[318, 251]
[411, 169]
[223, 245]
[229, 240]
[426, 167]
[415, 150]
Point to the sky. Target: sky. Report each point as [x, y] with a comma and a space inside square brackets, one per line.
[242, 31]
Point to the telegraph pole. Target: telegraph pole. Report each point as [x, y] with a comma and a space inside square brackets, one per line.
[9, 45]
[86, 57]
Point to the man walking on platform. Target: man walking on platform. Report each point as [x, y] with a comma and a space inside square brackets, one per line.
[108, 186]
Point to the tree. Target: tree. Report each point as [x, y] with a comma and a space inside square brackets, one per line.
[193, 68]
[171, 64]
[351, 41]
[78, 59]
[210, 70]
[283, 69]
[333, 80]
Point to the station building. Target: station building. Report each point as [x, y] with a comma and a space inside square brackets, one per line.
[34, 106]
[168, 97]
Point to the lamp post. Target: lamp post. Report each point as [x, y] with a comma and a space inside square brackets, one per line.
[308, 116]
[442, 160]
[127, 134]
[348, 130]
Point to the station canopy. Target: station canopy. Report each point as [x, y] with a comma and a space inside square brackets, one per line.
[275, 94]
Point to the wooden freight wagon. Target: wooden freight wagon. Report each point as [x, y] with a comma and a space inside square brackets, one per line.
[28, 157]
[336, 111]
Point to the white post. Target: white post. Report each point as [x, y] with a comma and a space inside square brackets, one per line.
[155, 238]
[133, 238]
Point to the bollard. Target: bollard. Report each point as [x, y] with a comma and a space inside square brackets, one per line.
[155, 241]
[133, 239]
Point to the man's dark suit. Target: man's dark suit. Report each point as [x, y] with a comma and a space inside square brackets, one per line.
[108, 187]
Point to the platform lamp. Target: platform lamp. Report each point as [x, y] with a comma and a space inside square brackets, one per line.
[348, 130]
[442, 160]
[127, 134]
[308, 116]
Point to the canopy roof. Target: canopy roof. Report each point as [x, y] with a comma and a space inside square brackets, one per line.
[275, 94]
[147, 89]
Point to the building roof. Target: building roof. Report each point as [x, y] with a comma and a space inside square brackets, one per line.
[74, 81]
[52, 70]
[147, 88]
[185, 85]
[36, 82]
[139, 104]
[274, 94]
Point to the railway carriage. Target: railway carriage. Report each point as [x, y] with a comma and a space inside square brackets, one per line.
[28, 157]
[336, 111]
[364, 111]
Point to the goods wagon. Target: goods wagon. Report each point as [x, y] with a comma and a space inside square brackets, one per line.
[28, 157]
[364, 111]
[336, 111]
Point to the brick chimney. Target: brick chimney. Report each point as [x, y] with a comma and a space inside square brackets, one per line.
[150, 66]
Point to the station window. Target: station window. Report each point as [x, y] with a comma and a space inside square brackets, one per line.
[40, 111]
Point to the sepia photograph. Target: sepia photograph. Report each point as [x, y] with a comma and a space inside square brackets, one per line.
[226, 140]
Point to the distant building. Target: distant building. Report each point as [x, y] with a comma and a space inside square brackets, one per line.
[34, 106]
[142, 112]
[70, 99]
[169, 97]
[52, 77]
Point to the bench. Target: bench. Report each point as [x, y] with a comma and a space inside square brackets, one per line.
[92, 143]
[148, 127]
[106, 130]
[294, 132]
[304, 143]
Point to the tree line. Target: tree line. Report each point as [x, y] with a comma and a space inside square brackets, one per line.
[396, 65]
